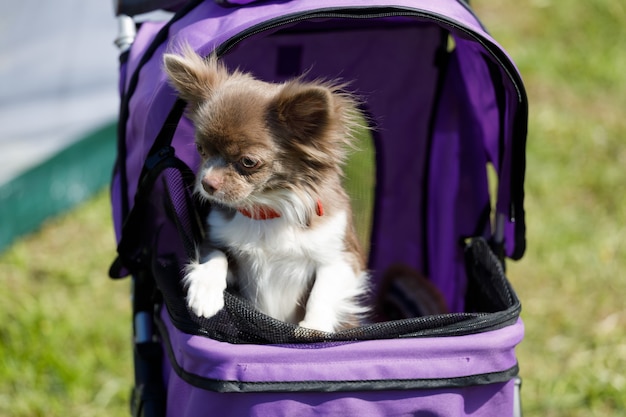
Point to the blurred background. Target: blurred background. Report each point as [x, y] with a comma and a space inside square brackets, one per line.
[58, 104]
[65, 328]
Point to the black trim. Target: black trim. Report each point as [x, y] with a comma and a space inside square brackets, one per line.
[223, 386]
[230, 5]
[160, 157]
[492, 305]
[518, 173]
[447, 325]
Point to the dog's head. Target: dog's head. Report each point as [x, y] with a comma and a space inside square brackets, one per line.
[261, 143]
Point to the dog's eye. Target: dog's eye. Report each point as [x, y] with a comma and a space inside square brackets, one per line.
[200, 150]
[248, 162]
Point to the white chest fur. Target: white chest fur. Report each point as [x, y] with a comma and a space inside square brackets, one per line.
[276, 260]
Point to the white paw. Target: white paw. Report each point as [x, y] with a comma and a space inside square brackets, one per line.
[316, 324]
[205, 283]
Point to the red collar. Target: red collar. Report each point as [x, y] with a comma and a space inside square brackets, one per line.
[268, 213]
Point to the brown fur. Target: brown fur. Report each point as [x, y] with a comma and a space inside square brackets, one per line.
[301, 131]
[259, 139]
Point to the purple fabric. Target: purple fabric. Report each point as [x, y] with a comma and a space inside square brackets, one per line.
[410, 358]
[399, 359]
[401, 110]
[458, 166]
[466, 133]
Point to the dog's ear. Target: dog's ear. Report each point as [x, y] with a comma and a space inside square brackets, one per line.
[302, 109]
[192, 76]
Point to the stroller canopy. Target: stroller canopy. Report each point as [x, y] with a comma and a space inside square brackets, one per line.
[446, 159]
[445, 101]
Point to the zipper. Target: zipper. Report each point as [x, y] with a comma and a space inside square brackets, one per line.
[353, 13]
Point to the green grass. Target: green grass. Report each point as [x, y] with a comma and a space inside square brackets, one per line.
[65, 328]
[571, 56]
[360, 180]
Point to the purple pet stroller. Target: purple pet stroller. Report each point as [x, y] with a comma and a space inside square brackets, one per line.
[437, 186]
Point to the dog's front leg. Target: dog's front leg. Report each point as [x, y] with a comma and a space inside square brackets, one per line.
[205, 281]
[334, 300]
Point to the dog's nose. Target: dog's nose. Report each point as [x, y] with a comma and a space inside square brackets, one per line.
[211, 184]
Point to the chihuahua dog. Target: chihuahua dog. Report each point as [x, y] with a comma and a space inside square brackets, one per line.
[280, 227]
